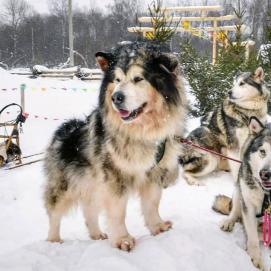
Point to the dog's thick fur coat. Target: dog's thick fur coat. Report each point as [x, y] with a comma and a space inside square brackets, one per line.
[226, 128]
[126, 145]
[253, 185]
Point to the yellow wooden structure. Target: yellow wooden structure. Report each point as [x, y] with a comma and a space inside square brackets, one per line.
[219, 33]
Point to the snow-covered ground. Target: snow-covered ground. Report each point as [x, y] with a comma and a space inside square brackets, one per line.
[194, 244]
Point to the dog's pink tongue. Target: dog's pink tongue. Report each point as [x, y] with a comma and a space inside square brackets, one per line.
[124, 113]
[267, 184]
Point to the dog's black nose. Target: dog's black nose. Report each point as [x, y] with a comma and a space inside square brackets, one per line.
[230, 93]
[118, 98]
[265, 174]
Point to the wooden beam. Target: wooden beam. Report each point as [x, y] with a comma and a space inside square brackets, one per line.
[190, 19]
[193, 8]
[7, 137]
[6, 124]
[230, 28]
[214, 44]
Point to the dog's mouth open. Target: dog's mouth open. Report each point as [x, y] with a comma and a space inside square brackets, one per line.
[266, 184]
[131, 115]
[266, 180]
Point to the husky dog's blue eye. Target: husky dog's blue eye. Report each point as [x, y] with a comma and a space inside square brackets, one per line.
[241, 84]
[262, 153]
[138, 79]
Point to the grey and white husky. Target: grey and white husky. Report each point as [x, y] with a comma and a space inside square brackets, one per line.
[126, 145]
[252, 193]
[226, 128]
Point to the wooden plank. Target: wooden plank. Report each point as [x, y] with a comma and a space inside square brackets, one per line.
[194, 8]
[229, 28]
[54, 75]
[190, 19]
[6, 124]
[22, 92]
[7, 137]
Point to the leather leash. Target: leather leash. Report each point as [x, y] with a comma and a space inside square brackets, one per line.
[190, 143]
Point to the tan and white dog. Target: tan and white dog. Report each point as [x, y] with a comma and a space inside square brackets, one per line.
[126, 145]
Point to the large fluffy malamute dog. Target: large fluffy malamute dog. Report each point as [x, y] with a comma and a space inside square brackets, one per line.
[226, 128]
[125, 145]
[253, 188]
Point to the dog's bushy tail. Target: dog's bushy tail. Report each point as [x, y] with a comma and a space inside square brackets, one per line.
[222, 204]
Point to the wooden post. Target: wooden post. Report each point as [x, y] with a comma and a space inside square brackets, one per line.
[214, 44]
[23, 87]
[226, 41]
[71, 34]
[32, 45]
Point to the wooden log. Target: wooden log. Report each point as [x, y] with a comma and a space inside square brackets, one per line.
[92, 78]
[21, 73]
[58, 75]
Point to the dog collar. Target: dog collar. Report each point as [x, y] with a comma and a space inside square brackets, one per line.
[160, 151]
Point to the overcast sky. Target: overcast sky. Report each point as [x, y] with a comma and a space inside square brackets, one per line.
[41, 6]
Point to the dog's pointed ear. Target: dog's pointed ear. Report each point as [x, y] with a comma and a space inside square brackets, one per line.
[255, 125]
[237, 74]
[259, 74]
[104, 60]
[169, 63]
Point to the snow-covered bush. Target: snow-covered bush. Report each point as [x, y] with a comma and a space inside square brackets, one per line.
[265, 53]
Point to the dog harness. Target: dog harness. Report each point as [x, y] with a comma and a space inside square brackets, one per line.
[267, 227]
[266, 214]
[160, 151]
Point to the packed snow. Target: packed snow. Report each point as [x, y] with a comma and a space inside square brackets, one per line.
[194, 244]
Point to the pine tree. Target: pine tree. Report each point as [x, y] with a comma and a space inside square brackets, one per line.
[210, 83]
[164, 28]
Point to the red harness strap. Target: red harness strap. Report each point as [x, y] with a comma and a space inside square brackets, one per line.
[267, 228]
[188, 142]
[266, 214]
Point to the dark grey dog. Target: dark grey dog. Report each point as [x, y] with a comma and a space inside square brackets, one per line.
[253, 190]
[226, 128]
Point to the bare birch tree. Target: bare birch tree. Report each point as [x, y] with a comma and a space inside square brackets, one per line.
[14, 12]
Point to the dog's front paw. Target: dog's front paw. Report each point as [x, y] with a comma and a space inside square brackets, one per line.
[258, 263]
[160, 227]
[193, 181]
[227, 225]
[55, 240]
[125, 243]
[99, 236]
[256, 258]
